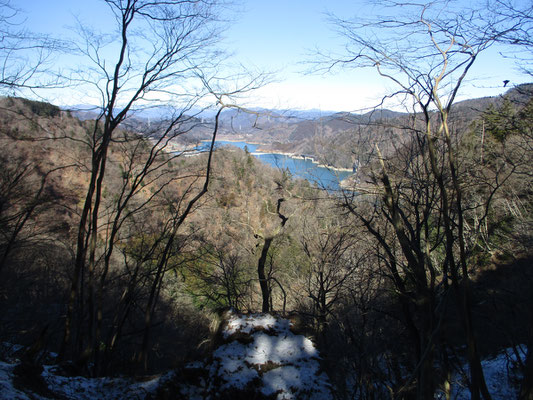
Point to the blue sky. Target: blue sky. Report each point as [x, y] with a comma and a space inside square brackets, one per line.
[279, 35]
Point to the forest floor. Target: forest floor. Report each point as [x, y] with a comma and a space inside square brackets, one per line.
[256, 356]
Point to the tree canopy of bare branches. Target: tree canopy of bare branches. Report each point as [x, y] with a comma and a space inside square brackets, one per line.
[152, 56]
[425, 50]
[25, 58]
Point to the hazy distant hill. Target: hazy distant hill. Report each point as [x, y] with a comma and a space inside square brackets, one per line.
[340, 139]
[333, 138]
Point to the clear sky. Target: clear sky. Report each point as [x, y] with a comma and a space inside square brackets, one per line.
[280, 35]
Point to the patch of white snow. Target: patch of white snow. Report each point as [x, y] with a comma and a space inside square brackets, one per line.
[501, 376]
[273, 360]
[248, 323]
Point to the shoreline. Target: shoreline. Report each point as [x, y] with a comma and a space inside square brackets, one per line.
[291, 155]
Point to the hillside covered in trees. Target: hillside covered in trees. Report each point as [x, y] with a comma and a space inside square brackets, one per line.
[133, 265]
[324, 259]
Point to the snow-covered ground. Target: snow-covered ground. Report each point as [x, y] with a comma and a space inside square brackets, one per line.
[259, 354]
[263, 355]
[78, 388]
[501, 374]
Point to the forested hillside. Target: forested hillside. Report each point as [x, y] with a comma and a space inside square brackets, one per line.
[339, 140]
[46, 168]
[323, 260]
[134, 264]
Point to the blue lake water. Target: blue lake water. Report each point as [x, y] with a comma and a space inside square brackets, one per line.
[299, 168]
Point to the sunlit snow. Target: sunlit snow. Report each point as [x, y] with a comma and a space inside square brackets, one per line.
[260, 354]
[273, 360]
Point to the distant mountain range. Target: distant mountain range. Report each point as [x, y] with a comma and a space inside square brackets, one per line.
[333, 138]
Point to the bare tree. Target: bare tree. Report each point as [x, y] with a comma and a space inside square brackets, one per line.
[219, 274]
[520, 40]
[426, 51]
[515, 28]
[25, 57]
[162, 46]
[330, 252]
[25, 196]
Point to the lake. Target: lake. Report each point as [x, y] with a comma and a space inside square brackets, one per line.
[323, 177]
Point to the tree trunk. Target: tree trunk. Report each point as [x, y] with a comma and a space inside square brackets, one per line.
[263, 282]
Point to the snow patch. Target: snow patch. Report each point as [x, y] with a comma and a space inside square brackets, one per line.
[501, 375]
[248, 323]
[273, 361]
[290, 383]
[79, 388]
